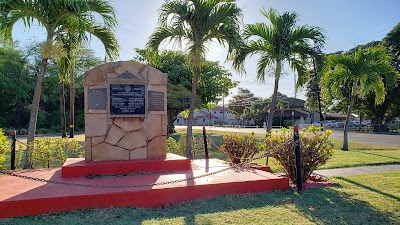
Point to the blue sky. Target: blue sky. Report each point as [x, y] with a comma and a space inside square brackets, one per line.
[347, 23]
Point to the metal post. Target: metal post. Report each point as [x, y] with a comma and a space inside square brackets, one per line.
[14, 139]
[292, 117]
[299, 180]
[320, 111]
[205, 142]
[223, 110]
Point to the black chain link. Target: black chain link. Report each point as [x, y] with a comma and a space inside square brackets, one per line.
[252, 158]
[114, 186]
[9, 147]
[22, 143]
[141, 185]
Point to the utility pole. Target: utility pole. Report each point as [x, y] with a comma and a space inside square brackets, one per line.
[223, 110]
[319, 97]
[295, 92]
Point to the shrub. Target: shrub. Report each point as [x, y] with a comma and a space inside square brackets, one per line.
[198, 149]
[55, 129]
[74, 149]
[179, 147]
[47, 151]
[60, 152]
[42, 131]
[239, 147]
[3, 147]
[173, 147]
[315, 147]
[19, 152]
[23, 131]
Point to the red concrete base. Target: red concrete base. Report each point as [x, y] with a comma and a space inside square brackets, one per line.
[22, 197]
[78, 167]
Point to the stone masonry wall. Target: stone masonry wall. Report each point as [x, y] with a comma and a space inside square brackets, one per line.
[124, 137]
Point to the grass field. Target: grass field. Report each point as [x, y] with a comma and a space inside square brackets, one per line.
[372, 199]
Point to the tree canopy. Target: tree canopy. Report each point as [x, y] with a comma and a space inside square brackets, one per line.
[362, 73]
[241, 100]
[214, 81]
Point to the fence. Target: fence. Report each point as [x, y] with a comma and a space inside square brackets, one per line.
[369, 128]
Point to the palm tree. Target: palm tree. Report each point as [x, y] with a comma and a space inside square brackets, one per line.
[72, 41]
[56, 16]
[363, 73]
[281, 41]
[282, 105]
[196, 23]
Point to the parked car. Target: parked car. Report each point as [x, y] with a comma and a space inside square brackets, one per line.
[394, 127]
[366, 122]
[354, 123]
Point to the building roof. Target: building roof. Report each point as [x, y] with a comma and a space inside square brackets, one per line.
[294, 102]
[335, 116]
[288, 113]
[220, 108]
[206, 114]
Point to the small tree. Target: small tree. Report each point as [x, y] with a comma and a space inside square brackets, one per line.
[363, 73]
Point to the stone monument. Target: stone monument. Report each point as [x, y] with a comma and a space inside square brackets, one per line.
[125, 112]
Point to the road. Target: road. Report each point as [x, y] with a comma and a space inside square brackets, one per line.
[364, 138]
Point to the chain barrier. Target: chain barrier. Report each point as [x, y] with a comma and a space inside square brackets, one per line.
[232, 166]
[265, 154]
[9, 146]
[20, 142]
[114, 186]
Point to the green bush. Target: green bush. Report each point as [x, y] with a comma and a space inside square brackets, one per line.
[43, 151]
[178, 147]
[48, 151]
[55, 129]
[19, 152]
[74, 149]
[315, 147]
[3, 147]
[23, 131]
[172, 146]
[239, 147]
[42, 131]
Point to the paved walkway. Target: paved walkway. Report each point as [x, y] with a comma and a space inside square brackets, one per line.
[357, 170]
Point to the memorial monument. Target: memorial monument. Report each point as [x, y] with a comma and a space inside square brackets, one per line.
[125, 112]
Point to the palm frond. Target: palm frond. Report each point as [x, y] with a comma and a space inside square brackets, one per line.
[265, 60]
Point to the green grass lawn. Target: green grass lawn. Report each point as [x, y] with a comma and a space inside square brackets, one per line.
[372, 199]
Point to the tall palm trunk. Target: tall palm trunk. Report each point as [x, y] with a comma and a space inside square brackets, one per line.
[62, 110]
[346, 126]
[274, 96]
[35, 110]
[192, 105]
[71, 102]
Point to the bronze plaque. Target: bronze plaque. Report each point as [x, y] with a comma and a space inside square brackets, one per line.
[128, 99]
[96, 98]
[156, 101]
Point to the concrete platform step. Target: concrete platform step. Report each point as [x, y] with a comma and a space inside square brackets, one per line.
[78, 167]
[205, 178]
